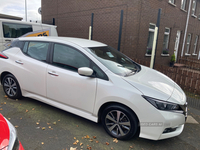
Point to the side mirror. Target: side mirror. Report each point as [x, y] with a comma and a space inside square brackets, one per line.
[85, 71]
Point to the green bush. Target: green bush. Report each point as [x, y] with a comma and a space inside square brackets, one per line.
[173, 58]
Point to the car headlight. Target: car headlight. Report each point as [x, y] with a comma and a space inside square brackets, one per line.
[13, 140]
[162, 105]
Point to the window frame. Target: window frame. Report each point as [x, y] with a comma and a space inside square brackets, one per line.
[166, 33]
[48, 50]
[183, 7]
[153, 31]
[3, 23]
[92, 63]
[188, 43]
[172, 1]
[195, 44]
[194, 9]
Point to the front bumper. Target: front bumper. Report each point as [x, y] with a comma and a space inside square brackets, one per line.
[163, 124]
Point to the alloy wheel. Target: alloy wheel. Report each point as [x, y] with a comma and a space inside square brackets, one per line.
[117, 123]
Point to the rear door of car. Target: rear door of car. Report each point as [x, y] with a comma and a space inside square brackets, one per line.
[31, 64]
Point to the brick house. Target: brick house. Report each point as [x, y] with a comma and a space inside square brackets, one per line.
[73, 18]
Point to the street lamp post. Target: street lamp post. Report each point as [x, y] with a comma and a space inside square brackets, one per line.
[25, 10]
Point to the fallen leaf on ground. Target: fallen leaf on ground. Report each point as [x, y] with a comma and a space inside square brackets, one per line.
[58, 120]
[26, 110]
[16, 126]
[74, 138]
[71, 148]
[91, 140]
[5, 96]
[89, 148]
[54, 123]
[42, 143]
[97, 141]
[115, 140]
[94, 137]
[37, 123]
[8, 118]
[107, 143]
[87, 136]
[131, 146]
[48, 123]
[49, 127]
[76, 125]
[81, 144]
[21, 118]
[43, 128]
[75, 143]
[33, 109]
[111, 148]
[1, 108]
[4, 103]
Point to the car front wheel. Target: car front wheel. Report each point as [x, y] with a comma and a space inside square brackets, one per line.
[119, 121]
[11, 87]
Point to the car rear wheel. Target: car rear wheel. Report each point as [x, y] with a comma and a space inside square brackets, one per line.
[11, 87]
[119, 122]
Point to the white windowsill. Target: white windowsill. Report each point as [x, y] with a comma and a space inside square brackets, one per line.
[172, 4]
[183, 10]
[148, 55]
[193, 54]
[165, 55]
[194, 16]
[186, 54]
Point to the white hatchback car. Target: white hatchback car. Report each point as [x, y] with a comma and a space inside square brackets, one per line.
[95, 81]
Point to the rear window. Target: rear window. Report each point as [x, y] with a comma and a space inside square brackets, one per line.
[12, 30]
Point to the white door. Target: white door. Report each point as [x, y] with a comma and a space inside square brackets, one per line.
[65, 85]
[177, 43]
[31, 67]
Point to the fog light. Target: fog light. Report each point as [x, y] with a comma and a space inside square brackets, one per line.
[168, 130]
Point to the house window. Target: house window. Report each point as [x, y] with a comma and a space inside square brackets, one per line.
[194, 7]
[166, 41]
[172, 1]
[188, 43]
[195, 44]
[150, 38]
[183, 4]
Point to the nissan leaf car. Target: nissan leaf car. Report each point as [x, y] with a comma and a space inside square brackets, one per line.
[97, 82]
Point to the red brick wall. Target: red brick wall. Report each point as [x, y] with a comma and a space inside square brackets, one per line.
[73, 18]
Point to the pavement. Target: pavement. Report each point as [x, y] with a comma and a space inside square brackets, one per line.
[43, 127]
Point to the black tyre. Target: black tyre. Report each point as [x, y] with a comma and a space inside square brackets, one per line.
[119, 122]
[11, 87]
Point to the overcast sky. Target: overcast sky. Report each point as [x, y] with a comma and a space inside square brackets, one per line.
[17, 8]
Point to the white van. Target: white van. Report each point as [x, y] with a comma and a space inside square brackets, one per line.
[11, 29]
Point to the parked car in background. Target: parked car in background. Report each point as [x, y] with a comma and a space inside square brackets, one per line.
[11, 29]
[97, 82]
[8, 136]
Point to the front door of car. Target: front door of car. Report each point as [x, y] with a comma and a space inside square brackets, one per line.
[64, 84]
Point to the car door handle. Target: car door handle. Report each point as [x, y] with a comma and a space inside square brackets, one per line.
[19, 62]
[53, 73]
[8, 40]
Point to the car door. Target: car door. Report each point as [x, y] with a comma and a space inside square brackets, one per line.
[64, 84]
[31, 67]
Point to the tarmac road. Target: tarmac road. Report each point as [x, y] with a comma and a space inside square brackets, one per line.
[43, 127]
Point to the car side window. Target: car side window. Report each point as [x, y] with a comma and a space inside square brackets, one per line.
[69, 58]
[36, 50]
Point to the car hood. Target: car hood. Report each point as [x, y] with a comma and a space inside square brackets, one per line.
[4, 133]
[156, 85]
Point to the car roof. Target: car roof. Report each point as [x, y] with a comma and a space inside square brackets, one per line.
[78, 41]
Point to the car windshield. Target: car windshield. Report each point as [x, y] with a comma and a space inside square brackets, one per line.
[115, 61]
